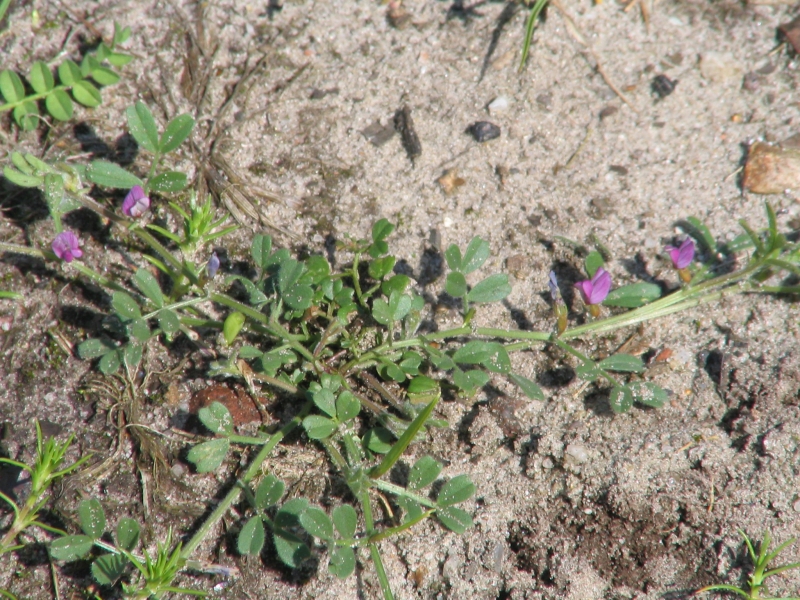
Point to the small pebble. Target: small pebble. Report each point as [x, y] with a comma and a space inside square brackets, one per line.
[483, 131]
[577, 452]
[796, 505]
[663, 86]
[548, 463]
[498, 105]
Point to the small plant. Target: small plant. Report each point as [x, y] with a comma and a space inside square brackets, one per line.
[73, 77]
[46, 470]
[154, 575]
[760, 573]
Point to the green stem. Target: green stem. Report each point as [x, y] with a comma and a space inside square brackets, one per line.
[398, 490]
[400, 528]
[189, 302]
[234, 493]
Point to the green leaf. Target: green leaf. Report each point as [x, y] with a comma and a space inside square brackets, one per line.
[411, 508]
[347, 407]
[171, 181]
[25, 115]
[290, 548]
[391, 372]
[396, 283]
[470, 381]
[125, 306]
[410, 363]
[458, 489]
[491, 355]
[634, 295]
[232, 326]
[702, 234]
[342, 562]
[594, 260]
[380, 267]
[105, 76]
[59, 104]
[453, 257]
[528, 387]
[324, 400]
[251, 537]
[455, 519]
[41, 79]
[69, 72]
[318, 427]
[475, 255]
[132, 356]
[110, 362]
[381, 230]
[456, 284]
[423, 473]
[148, 285]
[492, 289]
[106, 569]
[345, 520]
[138, 329]
[648, 394]
[121, 34]
[71, 547]
[621, 399]
[22, 179]
[92, 518]
[111, 175]
[422, 389]
[260, 250]
[268, 492]
[587, 371]
[118, 59]
[169, 322]
[379, 440]
[625, 363]
[142, 126]
[317, 523]
[395, 309]
[127, 534]
[209, 455]
[87, 94]
[216, 418]
[317, 268]
[11, 86]
[176, 132]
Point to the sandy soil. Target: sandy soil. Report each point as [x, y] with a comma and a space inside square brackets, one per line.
[573, 502]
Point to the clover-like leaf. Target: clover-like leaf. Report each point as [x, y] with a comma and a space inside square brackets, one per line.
[492, 289]
[176, 132]
[92, 518]
[592, 262]
[456, 284]
[455, 519]
[317, 523]
[621, 399]
[318, 427]
[633, 295]
[209, 455]
[624, 363]
[424, 472]
[111, 175]
[475, 255]
[345, 520]
[87, 94]
[528, 387]
[11, 86]
[71, 547]
[142, 126]
[59, 104]
[268, 492]
[106, 569]
[456, 490]
[127, 534]
[148, 285]
[217, 418]
[648, 393]
[170, 181]
[453, 257]
[125, 306]
[342, 562]
[40, 78]
[347, 406]
[251, 537]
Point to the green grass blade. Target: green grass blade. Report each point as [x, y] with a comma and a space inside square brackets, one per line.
[530, 26]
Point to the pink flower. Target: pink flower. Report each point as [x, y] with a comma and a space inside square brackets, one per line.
[135, 203]
[595, 290]
[67, 246]
[682, 256]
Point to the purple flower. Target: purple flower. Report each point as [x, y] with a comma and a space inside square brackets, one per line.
[67, 246]
[213, 265]
[595, 290]
[683, 255]
[553, 283]
[135, 203]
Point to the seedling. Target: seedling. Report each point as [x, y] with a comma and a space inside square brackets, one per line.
[760, 572]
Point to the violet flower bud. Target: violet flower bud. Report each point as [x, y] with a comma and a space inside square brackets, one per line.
[67, 246]
[213, 265]
[559, 308]
[595, 290]
[135, 203]
[683, 255]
